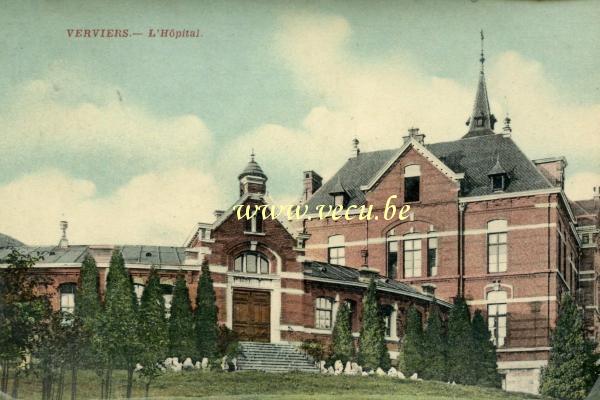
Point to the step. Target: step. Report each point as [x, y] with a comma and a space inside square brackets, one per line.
[274, 357]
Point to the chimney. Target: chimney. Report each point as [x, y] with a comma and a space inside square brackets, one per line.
[355, 149]
[218, 213]
[596, 198]
[64, 242]
[413, 133]
[553, 169]
[312, 182]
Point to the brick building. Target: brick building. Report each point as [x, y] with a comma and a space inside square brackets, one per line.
[485, 222]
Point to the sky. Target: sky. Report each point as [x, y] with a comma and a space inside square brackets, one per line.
[134, 140]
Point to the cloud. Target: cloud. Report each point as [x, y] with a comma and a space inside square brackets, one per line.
[378, 100]
[154, 208]
[64, 119]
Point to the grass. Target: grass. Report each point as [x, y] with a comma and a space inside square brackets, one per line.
[258, 386]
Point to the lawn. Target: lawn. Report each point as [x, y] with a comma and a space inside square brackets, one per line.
[291, 386]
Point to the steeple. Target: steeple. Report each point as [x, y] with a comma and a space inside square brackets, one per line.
[481, 122]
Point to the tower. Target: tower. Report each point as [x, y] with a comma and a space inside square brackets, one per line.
[252, 179]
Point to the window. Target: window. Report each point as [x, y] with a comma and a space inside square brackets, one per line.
[352, 307]
[392, 259]
[412, 258]
[252, 263]
[67, 297]
[497, 183]
[336, 250]
[386, 314]
[138, 289]
[255, 224]
[496, 311]
[323, 311]
[497, 237]
[432, 257]
[585, 238]
[479, 122]
[167, 290]
[412, 182]
[338, 200]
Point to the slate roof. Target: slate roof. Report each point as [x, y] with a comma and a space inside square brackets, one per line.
[7, 241]
[51, 254]
[136, 254]
[474, 156]
[583, 207]
[333, 272]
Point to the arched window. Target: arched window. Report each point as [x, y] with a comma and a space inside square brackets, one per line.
[323, 313]
[336, 252]
[496, 310]
[138, 289]
[67, 297]
[412, 183]
[252, 263]
[497, 248]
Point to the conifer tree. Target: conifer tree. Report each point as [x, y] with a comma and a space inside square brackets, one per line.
[372, 349]
[413, 346]
[485, 361]
[572, 368]
[153, 329]
[206, 315]
[88, 308]
[434, 346]
[182, 343]
[342, 341]
[460, 344]
[119, 323]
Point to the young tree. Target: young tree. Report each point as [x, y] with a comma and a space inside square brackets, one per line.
[413, 347]
[153, 329]
[434, 346]
[206, 315]
[485, 362]
[182, 343]
[372, 348]
[342, 342]
[22, 309]
[87, 310]
[460, 344]
[572, 368]
[119, 322]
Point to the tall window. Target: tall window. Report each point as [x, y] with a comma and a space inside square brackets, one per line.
[138, 289]
[336, 250]
[323, 313]
[255, 224]
[432, 257]
[392, 259]
[252, 263]
[496, 311]
[386, 313]
[167, 297]
[412, 258]
[352, 306]
[67, 297]
[412, 183]
[497, 249]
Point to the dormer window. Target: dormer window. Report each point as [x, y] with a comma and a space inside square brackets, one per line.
[338, 200]
[479, 122]
[498, 183]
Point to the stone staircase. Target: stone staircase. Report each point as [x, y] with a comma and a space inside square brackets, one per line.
[274, 357]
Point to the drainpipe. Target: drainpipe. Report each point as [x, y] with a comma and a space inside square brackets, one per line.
[461, 249]
[549, 270]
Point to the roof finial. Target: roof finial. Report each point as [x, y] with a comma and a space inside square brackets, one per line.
[252, 155]
[507, 129]
[482, 59]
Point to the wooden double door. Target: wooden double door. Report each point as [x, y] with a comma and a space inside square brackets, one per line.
[252, 315]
